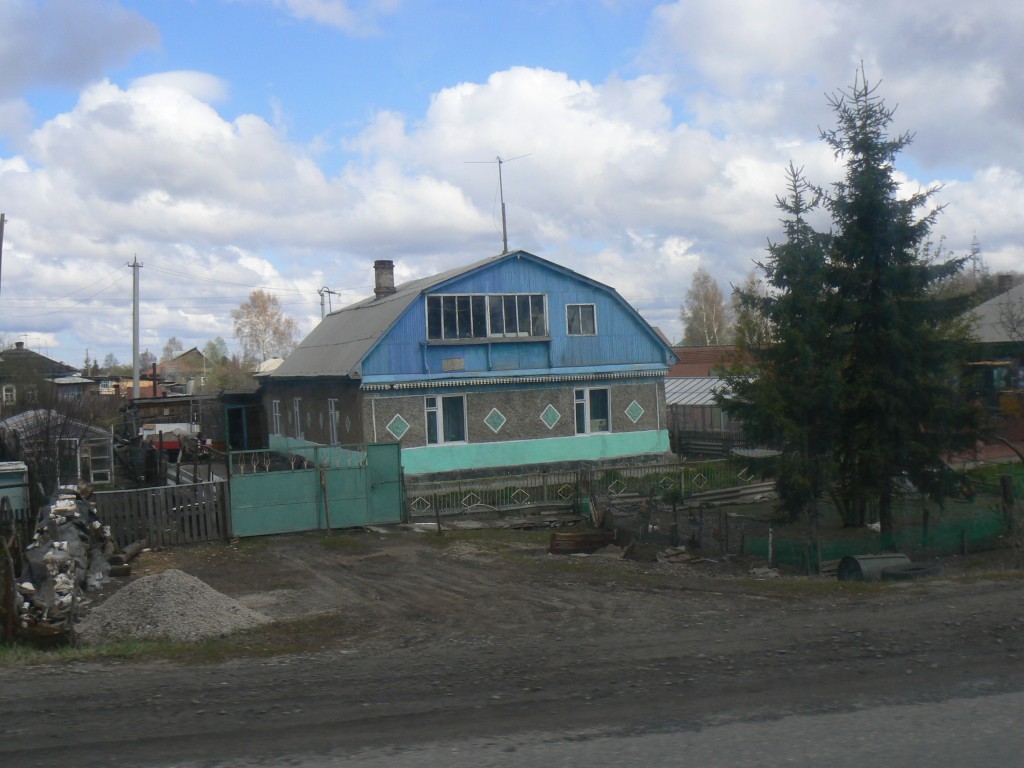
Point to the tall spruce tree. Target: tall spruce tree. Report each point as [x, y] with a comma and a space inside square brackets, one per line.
[789, 399]
[857, 387]
[898, 412]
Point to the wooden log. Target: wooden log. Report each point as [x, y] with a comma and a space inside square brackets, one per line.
[130, 552]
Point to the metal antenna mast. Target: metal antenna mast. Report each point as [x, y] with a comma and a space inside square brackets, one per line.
[501, 193]
[325, 291]
[975, 255]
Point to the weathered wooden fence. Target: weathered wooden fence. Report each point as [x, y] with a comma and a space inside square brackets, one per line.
[167, 515]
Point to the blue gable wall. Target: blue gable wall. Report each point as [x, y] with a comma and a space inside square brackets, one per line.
[623, 338]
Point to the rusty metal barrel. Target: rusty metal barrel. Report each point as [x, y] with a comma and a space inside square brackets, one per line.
[868, 567]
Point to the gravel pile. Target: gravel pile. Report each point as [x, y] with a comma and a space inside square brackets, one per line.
[171, 605]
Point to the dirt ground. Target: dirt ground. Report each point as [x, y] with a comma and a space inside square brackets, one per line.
[393, 584]
[398, 638]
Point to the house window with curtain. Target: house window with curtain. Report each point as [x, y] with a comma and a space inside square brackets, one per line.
[581, 319]
[446, 419]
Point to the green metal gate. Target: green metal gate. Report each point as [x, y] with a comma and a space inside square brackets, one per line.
[315, 488]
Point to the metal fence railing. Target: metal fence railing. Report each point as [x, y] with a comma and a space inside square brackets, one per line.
[505, 493]
[662, 483]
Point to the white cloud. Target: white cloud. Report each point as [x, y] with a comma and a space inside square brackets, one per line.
[198, 85]
[635, 181]
[67, 42]
[355, 18]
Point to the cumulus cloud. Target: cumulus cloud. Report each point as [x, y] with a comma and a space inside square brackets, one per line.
[675, 167]
[67, 42]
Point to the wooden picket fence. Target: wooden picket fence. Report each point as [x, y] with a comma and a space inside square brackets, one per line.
[167, 515]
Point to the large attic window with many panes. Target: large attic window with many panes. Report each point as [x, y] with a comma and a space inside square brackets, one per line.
[481, 316]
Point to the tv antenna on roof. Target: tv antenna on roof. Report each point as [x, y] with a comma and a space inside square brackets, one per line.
[501, 192]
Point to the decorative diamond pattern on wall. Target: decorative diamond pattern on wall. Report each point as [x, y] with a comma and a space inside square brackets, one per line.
[398, 426]
[634, 411]
[495, 420]
[550, 416]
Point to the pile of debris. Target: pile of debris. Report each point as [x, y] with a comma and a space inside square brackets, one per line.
[69, 554]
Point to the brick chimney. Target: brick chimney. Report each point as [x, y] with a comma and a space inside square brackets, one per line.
[1004, 282]
[383, 278]
[19, 345]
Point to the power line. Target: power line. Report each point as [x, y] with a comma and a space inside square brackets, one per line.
[227, 282]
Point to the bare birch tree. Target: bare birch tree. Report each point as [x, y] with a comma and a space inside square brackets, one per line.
[262, 328]
[704, 313]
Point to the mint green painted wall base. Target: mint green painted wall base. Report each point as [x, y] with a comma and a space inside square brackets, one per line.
[445, 458]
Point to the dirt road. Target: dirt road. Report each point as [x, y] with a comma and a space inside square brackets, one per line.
[426, 640]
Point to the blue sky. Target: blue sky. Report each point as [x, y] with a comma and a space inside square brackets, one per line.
[286, 144]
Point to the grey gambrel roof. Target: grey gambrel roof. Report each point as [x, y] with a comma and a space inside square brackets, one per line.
[338, 345]
[987, 319]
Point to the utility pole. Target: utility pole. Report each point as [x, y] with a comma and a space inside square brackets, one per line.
[135, 326]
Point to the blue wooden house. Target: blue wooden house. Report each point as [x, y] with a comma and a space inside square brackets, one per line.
[511, 361]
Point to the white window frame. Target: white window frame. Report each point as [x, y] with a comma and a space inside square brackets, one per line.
[579, 308]
[583, 396]
[332, 419]
[434, 409]
[275, 411]
[507, 304]
[297, 414]
[9, 394]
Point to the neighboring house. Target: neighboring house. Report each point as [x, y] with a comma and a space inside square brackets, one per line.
[698, 426]
[184, 374]
[701, 361]
[511, 361]
[75, 387]
[996, 370]
[203, 412]
[22, 373]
